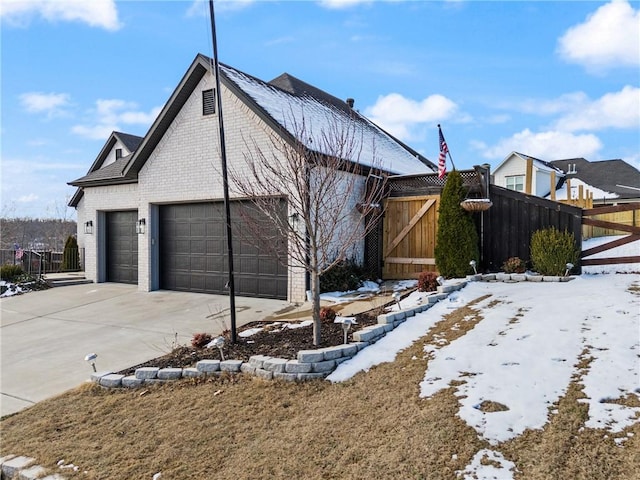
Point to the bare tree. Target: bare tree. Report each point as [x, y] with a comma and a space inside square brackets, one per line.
[333, 196]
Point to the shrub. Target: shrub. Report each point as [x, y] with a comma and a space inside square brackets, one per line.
[70, 255]
[514, 265]
[457, 237]
[11, 273]
[552, 249]
[327, 314]
[427, 282]
[199, 340]
[345, 275]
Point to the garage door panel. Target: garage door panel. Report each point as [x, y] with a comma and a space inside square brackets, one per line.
[193, 249]
[121, 247]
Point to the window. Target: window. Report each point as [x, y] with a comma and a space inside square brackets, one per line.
[118, 153]
[208, 102]
[516, 182]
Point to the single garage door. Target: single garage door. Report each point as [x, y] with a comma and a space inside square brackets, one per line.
[122, 247]
[193, 250]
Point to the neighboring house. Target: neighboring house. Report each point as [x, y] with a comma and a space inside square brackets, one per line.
[150, 210]
[527, 174]
[606, 181]
[609, 181]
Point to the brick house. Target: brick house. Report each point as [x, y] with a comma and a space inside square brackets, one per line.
[150, 209]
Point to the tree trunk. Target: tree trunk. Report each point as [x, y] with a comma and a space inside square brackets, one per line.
[315, 309]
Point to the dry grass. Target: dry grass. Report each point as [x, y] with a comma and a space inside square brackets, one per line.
[373, 426]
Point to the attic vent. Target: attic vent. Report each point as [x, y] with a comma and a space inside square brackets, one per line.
[208, 102]
[118, 153]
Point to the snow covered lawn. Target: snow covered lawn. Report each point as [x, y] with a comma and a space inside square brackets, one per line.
[523, 352]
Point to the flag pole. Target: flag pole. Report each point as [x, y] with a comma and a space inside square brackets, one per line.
[225, 179]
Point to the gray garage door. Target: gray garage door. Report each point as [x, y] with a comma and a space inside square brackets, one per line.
[193, 248]
[122, 247]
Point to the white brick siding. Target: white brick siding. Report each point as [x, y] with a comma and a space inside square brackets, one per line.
[184, 167]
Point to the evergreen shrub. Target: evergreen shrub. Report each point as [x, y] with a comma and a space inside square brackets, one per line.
[11, 273]
[457, 237]
[344, 276]
[70, 254]
[552, 249]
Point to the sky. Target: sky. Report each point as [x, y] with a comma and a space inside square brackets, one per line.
[521, 356]
[553, 80]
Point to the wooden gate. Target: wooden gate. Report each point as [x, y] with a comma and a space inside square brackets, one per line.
[634, 234]
[409, 236]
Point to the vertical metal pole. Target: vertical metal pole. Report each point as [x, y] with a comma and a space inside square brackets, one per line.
[225, 179]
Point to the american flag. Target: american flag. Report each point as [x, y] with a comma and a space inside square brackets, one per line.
[442, 159]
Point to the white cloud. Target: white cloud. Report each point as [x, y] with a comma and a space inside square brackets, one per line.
[404, 117]
[613, 110]
[95, 13]
[341, 4]
[111, 115]
[608, 38]
[50, 103]
[550, 145]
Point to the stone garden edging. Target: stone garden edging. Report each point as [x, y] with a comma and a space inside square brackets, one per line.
[309, 364]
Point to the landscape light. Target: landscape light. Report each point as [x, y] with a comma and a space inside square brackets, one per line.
[346, 325]
[396, 297]
[219, 343]
[440, 280]
[91, 358]
[473, 265]
[569, 267]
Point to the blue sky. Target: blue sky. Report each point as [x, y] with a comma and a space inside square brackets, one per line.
[549, 79]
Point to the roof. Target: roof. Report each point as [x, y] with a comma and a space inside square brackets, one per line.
[112, 173]
[281, 103]
[292, 103]
[613, 176]
[537, 163]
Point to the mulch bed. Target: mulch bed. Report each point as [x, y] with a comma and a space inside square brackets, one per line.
[273, 341]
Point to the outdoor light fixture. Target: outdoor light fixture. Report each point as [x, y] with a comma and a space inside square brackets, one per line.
[346, 325]
[569, 267]
[396, 296]
[440, 280]
[218, 342]
[473, 265]
[91, 358]
[88, 227]
[141, 225]
[293, 218]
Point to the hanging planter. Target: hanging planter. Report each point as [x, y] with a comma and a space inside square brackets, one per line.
[476, 204]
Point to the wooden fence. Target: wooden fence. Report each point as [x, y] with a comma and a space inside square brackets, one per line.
[506, 228]
[593, 218]
[409, 236]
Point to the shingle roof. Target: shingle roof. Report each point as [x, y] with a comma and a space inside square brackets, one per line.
[615, 176]
[130, 141]
[293, 103]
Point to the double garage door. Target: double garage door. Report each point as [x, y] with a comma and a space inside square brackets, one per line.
[193, 250]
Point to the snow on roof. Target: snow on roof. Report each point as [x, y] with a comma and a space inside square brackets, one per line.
[378, 148]
[561, 193]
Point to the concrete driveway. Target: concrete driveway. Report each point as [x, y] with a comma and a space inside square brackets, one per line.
[45, 335]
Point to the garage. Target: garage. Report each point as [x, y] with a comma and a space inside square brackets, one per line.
[122, 247]
[193, 250]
